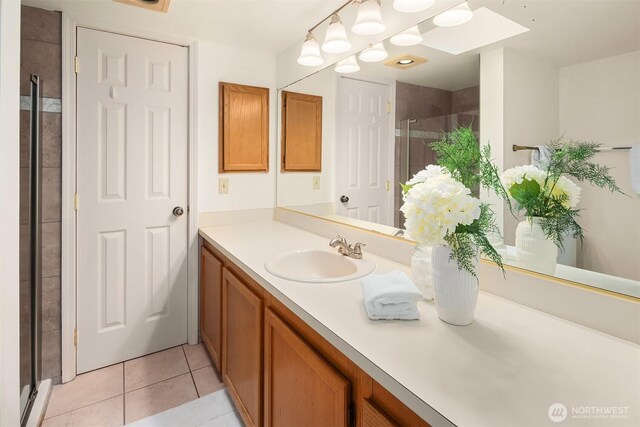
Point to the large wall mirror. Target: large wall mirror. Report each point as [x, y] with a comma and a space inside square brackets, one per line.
[519, 73]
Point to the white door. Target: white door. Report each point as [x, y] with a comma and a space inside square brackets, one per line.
[362, 173]
[131, 172]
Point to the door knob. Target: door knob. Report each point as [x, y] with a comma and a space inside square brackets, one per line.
[178, 211]
[344, 199]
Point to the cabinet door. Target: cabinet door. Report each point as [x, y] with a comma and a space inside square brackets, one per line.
[243, 128]
[211, 305]
[301, 388]
[372, 416]
[242, 347]
[301, 132]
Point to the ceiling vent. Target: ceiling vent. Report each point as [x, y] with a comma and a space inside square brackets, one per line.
[405, 61]
[156, 5]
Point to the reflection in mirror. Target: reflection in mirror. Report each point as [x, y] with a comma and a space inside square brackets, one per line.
[520, 73]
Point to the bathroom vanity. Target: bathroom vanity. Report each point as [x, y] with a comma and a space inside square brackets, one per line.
[290, 352]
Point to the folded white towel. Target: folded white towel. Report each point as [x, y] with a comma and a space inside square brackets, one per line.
[390, 296]
[540, 157]
[634, 159]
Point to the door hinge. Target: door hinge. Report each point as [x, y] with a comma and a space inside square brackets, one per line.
[75, 337]
[388, 185]
[76, 201]
[388, 106]
[75, 64]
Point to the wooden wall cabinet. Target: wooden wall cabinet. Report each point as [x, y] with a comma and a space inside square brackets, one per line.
[211, 305]
[301, 387]
[243, 138]
[242, 347]
[278, 370]
[301, 132]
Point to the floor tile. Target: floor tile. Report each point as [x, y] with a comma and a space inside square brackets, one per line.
[108, 413]
[207, 380]
[194, 413]
[154, 368]
[197, 356]
[159, 397]
[85, 390]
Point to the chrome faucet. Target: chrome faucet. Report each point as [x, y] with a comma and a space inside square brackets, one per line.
[346, 249]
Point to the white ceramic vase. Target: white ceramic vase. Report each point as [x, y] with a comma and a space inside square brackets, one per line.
[534, 251]
[455, 290]
[421, 271]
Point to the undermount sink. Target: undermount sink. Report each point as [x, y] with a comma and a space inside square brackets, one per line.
[318, 266]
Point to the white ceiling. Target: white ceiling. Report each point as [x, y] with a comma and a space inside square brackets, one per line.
[562, 33]
[265, 25]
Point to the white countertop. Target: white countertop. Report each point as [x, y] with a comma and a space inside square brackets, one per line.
[505, 369]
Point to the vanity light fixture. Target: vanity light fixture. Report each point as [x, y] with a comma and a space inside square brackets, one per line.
[310, 54]
[409, 37]
[336, 40]
[455, 16]
[373, 53]
[349, 65]
[409, 6]
[369, 19]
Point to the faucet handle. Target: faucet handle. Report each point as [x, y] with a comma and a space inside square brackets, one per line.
[357, 248]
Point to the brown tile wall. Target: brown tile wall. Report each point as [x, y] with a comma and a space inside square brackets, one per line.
[41, 55]
[435, 110]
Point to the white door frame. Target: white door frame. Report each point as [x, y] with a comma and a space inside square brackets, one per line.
[68, 238]
[391, 84]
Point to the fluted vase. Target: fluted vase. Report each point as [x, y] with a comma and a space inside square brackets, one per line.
[534, 250]
[455, 290]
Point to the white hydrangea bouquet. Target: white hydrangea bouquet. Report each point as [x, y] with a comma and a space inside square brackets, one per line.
[440, 207]
[549, 196]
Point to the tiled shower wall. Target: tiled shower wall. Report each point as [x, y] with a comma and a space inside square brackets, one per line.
[435, 111]
[40, 53]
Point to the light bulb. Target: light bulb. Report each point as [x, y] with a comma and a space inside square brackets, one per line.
[310, 53]
[336, 39]
[349, 65]
[409, 37]
[369, 19]
[455, 16]
[373, 53]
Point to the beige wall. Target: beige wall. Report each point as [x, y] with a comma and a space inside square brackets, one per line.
[530, 113]
[600, 102]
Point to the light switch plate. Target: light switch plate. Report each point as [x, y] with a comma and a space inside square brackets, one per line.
[316, 182]
[223, 186]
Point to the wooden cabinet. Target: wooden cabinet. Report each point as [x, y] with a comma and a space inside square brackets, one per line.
[211, 305]
[377, 407]
[301, 387]
[243, 128]
[301, 132]
[278, 370]
[242, 347]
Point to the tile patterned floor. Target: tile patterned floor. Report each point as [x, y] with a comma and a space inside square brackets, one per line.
[133, 390]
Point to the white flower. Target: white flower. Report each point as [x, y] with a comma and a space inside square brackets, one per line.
[564, 186]
[436, 205]
[431, 171]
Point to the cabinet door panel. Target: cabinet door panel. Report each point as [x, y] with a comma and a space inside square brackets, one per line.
[211, 305]
[301, 388]
[242, 347]
[301, 132]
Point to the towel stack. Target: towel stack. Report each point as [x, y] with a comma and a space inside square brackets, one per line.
[390, 296]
